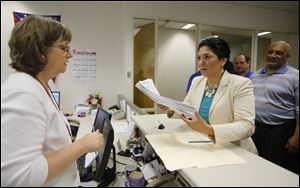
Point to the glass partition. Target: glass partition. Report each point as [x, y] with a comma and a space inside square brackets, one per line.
[239, 40]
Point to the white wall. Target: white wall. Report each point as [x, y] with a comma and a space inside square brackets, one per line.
[95, 26]
[176, 61]
[107, 28]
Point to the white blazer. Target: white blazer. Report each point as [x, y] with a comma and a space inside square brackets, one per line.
[232, 111]
[30, 126]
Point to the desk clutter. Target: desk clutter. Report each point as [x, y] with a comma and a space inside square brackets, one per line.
[138, 152]
[82, 109]
[135, 179]
[140, 165]
[147, 163]
[144, 169]
[136, 149]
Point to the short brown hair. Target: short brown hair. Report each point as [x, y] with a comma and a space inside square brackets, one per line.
[30, 39]
[247, 58]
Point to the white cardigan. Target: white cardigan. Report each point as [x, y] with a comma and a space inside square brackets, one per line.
[232, 111]
[30, 126]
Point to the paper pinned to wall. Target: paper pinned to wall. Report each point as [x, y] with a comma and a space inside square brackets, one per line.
[84, 67]
[177, 153]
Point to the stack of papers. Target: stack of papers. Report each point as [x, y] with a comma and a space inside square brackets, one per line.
[148, 88]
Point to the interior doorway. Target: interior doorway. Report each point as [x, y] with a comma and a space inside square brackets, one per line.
[165, 51]
[144, 58]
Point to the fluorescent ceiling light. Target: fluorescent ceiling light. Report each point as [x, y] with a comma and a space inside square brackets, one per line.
[263, 33]
[187, 26]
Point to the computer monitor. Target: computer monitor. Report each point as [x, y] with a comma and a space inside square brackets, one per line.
[100, 118]
[56, 96]
[101, 160]
[105, 175]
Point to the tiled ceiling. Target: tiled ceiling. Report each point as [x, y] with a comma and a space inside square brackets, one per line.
[289, 6]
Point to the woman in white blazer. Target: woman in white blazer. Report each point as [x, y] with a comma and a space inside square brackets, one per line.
[36, 146]
[224, 102]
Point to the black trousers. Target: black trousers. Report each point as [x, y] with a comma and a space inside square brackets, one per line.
[270, 141]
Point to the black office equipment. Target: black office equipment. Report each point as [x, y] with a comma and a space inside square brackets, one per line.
[86, 174]
[125, 153]
[104, 174]
[161, 126]
[114, 107]
[100, 118]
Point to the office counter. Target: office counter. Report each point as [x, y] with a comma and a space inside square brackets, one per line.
[256, 172]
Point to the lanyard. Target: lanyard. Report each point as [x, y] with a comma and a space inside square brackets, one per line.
[54, 103]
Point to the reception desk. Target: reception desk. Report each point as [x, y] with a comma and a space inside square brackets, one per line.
[256, 172]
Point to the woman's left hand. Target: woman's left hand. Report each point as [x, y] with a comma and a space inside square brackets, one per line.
[198, 124]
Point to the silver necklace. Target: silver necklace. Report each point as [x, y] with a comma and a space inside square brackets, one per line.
[210, 91]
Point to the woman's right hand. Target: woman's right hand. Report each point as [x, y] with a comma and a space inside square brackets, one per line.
[91, 142]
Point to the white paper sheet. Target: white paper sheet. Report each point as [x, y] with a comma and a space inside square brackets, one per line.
[89, 158]
[148, 88]
[150, 170]
[177, 153]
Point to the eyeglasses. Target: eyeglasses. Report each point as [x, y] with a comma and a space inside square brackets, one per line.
[62, 47]
[240, 63]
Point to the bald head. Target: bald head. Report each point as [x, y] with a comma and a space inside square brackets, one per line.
[283, 45]
[277, 55]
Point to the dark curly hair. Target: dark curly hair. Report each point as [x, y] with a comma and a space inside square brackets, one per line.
[30, 39]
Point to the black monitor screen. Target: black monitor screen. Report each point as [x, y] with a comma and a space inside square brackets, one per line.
[56, 96]
[104, 152]
[100, 118]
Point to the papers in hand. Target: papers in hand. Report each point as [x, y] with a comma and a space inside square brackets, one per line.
[89, 158]
[148, 88]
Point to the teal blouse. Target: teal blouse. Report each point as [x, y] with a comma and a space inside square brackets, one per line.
[205, 106]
